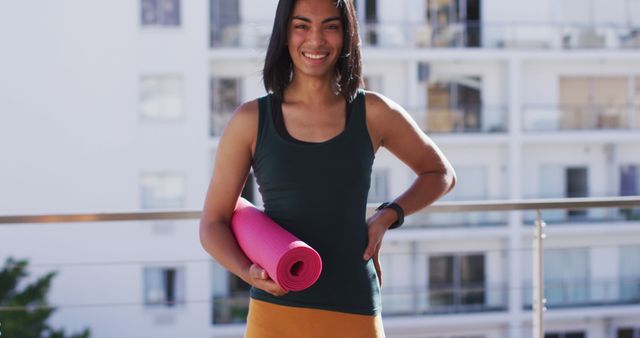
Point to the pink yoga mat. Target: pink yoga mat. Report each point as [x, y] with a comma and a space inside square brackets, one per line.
[290, 262]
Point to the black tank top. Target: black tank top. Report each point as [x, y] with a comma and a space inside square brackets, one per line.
[318, 192]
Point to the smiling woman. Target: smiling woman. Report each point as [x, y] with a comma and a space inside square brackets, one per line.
[311, 142]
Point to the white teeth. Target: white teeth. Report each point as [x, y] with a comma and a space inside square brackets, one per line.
[315, 56]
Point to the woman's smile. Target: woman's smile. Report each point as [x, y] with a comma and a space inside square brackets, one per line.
[315, 56]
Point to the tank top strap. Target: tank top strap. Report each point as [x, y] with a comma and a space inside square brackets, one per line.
[358, 107]
[264, 114]
[359, 113]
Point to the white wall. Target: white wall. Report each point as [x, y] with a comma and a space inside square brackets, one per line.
[72, 121]
[493, 158]
[72, 140]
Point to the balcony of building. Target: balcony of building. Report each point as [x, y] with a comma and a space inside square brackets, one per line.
[464, 118]
[539, 35]
[581, 117]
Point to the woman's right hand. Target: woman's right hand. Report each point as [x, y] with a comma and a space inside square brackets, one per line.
[260, 279]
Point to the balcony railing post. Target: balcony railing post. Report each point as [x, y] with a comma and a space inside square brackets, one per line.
[538, 278]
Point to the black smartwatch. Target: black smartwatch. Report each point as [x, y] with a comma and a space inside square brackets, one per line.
[398, 210]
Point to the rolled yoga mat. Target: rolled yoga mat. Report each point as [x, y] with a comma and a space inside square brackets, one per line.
[290, 262]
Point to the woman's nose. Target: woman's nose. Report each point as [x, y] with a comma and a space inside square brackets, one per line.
[317, 36]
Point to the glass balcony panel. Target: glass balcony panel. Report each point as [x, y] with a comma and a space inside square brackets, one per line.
[579, 117]
[407, 300]
[587, 292]
[457, 219]
[630, 290]
[469, 119]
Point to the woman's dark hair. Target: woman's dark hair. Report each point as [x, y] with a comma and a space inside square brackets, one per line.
[278, 66]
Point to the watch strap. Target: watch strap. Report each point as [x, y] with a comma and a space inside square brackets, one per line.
[399, 211]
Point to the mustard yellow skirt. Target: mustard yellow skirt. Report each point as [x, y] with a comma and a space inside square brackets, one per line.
[267, 320]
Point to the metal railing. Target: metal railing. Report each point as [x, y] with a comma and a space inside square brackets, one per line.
[478, 294]
[624, 202]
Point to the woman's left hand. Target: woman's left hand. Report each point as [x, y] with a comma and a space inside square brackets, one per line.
[378, 225]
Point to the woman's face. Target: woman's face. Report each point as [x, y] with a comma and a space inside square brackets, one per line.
[315, 37]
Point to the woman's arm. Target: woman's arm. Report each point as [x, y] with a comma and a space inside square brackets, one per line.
[233, 161]
[399, 133]
[393, 128]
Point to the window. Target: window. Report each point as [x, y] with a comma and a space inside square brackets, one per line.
[163, 286]
[455, 105]
[576, 187]
[593, 102]
[225, 22]
[629, 273]
[448, 22]
[379, 190]
[566, 280]
[161, 97]
[628, 332]
[456, 280]
[630, 186]
[572, 334]
[225, 98]
[162, 190]
[369, 18]
[558, 181]
[160, 12]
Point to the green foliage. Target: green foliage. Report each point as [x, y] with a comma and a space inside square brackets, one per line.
[23, 313]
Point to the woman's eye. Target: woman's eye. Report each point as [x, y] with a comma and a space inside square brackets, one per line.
[333, 27]
[300, 26]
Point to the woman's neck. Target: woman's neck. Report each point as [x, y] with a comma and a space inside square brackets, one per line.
[311, 90]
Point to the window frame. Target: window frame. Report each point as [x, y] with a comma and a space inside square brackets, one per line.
[160, 14]
[179, 286]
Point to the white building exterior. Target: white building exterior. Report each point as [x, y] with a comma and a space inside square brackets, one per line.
[118, 105]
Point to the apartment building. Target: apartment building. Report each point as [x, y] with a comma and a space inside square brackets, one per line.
[526, 99]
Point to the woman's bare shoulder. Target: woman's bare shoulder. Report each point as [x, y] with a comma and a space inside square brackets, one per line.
[243, 124]
[379, 105]
[382, 113]
[247, 112]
